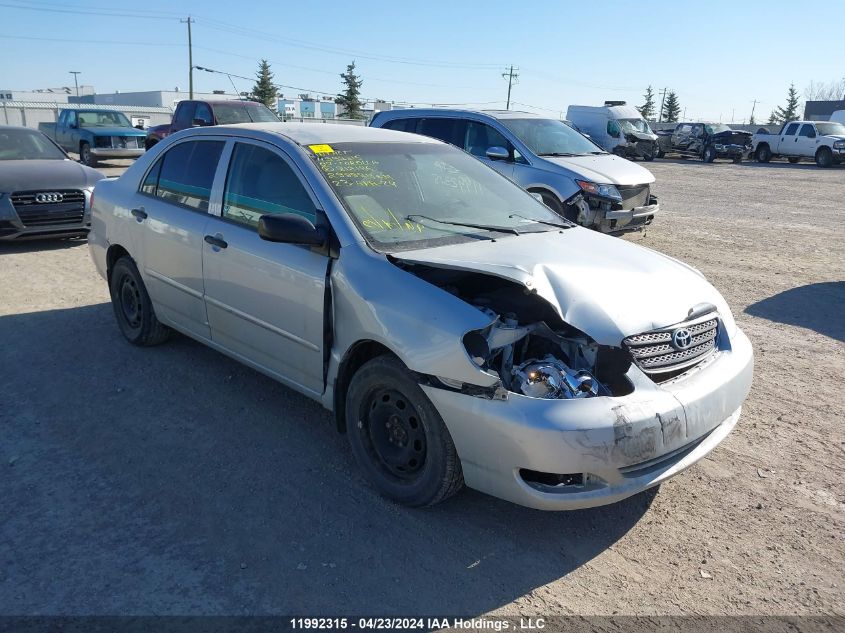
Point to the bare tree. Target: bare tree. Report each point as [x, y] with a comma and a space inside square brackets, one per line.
[825, 91]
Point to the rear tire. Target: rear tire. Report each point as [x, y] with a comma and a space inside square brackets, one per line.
[824, 157]
[132, 306]
[763, 154]
[397, 436]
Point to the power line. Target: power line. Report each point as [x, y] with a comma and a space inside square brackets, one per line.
[114, 14]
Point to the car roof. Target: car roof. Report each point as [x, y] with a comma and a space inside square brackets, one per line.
[20, 127]
[243, 102]
[421, 112]
[319, 133]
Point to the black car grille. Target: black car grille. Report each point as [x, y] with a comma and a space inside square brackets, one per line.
[59, 207]
[655, 353]
[119, 142]
[633, 195]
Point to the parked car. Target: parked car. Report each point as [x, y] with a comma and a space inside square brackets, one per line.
[575, 177]
[459, 329]
[43, 193]
[707, 141]
[194, 113]
[822, 141]
[95, 135]
[617, 127]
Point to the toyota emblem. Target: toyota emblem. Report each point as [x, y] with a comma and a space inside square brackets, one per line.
[52, 196]
[682, 338]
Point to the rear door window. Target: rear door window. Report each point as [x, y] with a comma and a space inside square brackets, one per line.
[186, 173]
[790, 131]
[446, 129]
[184, 115]
[401, 125]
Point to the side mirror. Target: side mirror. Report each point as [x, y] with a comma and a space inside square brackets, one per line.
[73, 126]
[497, 153]
[199, 123]
[289, 228]
[813, 134]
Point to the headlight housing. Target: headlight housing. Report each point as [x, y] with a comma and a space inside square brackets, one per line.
[839, 144]
[605, 191]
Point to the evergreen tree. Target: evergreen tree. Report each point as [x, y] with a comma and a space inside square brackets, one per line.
[773, 119]
[265, 91]
[671, 108]
[350, 99]
[647, 109]
[790, 111]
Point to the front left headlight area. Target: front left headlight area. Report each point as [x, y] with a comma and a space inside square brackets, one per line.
[839, 144]
[596, 189]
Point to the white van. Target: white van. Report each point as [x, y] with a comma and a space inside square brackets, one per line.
[617, 128]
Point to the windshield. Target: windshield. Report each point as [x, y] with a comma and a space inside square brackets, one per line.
[830, 127]
[102, 119]
[27, 145]
[715, 128]
[400, 194]
[239, 112]
[635, 125]
[548, 137]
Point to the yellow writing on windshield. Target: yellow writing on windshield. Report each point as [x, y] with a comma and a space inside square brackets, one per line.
[391, 223]
[351, 170]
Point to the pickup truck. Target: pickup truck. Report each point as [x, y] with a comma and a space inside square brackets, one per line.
[95, 135]
[707, 141]
[822, 141]
[192, 113]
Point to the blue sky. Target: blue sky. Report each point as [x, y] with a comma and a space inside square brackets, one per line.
[718, 56]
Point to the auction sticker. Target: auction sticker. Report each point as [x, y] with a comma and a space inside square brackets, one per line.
[321, 149]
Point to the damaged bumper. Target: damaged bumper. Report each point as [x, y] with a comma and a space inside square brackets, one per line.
[630, 219]
[570, 454]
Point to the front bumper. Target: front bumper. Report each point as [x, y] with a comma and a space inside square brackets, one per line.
[629, 219]
[732, 151]
[619, 445]
[46, 226]
[111, 152]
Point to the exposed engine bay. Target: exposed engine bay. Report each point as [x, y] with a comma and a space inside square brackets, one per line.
[527, 344]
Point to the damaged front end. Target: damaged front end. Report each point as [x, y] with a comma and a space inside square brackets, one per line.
[526, 345]
[614, 208]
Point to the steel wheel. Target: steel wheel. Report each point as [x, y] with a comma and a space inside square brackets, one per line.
[130, 302]
[395, 435]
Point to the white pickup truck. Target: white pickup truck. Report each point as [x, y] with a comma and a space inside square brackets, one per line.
[822, 141]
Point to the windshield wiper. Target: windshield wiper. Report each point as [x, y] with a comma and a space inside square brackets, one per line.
[557, 154]
[483, 227]
[568, 224]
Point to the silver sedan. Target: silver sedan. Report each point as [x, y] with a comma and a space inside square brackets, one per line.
[459, 330]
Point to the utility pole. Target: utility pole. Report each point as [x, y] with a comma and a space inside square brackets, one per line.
[190, 59]
[753, 105]
[75, 82]
[662, 101]
[511, 76]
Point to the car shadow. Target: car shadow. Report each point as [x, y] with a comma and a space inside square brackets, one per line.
[173, 480]
[819, 307]
[34, 245]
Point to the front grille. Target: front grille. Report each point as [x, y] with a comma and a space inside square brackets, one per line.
[70, 210]
[655, 353]
[119, 142]
[633, 195]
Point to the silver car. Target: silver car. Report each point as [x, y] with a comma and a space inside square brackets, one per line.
[460, 331]
[576, 178]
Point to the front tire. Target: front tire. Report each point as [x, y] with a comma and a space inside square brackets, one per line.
[397, 436]
[709, 154]
[824, 157]
[132, 306]
[763, 154]
[86, 156]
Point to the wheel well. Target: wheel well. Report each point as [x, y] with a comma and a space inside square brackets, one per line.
[355, 357]
[761, 145]
[115, 252]
[547, 192]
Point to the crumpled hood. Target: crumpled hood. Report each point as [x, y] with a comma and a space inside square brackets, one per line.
[642, 136]
[115, 131]
[29, 175]
[604, 286]
[604, 169]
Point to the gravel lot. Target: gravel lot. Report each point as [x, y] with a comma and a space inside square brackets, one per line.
[173, 480]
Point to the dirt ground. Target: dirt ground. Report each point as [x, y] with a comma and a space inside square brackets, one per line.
[172, 480]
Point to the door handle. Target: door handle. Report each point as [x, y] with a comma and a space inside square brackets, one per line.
[139, 214]
[216, 241]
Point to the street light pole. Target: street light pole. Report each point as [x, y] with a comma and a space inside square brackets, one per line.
[75, 82]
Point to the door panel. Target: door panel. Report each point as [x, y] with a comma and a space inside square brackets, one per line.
[265, 300]
[789, 140]
[172, 207]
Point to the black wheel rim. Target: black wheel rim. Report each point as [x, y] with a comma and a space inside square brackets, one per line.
[394, 434]
[129, 296]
